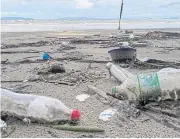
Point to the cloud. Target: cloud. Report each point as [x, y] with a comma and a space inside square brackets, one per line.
[91, 8]
[83, 4]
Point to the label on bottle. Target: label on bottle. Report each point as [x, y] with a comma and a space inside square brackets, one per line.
[113, 90]
[149, 86]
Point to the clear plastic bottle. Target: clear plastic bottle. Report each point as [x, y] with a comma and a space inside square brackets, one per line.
[119, 73]
[41, 108]
[163, 85]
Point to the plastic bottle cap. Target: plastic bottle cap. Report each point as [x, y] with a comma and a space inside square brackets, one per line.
[114, 90]
[75, 115]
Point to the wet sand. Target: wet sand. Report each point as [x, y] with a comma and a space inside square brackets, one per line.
[166, 49]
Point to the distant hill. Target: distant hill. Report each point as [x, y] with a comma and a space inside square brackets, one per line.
[15, 18]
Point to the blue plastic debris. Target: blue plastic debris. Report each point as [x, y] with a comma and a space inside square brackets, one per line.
[46, 56]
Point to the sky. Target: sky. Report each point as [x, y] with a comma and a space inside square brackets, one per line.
[102, 9]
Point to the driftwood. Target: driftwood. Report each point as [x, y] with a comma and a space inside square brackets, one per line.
[55, 82]
[93, 90]
[163, 121]
[19, 91]
[61, 82]
[27, 61]
[92, 61]
[78, 128]
[155, 110]
[153, 63]
[14, 52]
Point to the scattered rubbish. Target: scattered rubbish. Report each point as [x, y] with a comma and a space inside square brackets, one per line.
[148, 63]
[64, 43]
[78, 128]
[50, 67]
[139, 44]
[24, 81]
[82, 97]
[160, 34]
[56, 68]
[27, 121]
[144, 59]
[5, 62]
[128, 31]
[36, 108]
[27, 51]
[131, 36]
[125, 44]
[126, 55]
[3, 125]
[149, 86]
[46, 56]
[33, 44]
[106, 114]
[93, 90]
[8, 131]
[125, 108]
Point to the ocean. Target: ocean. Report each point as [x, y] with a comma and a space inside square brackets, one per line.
[64, 25]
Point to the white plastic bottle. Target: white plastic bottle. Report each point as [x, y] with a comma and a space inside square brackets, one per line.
[163, 85]
[40, 108]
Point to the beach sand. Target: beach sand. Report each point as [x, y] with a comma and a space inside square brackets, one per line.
[162, 49]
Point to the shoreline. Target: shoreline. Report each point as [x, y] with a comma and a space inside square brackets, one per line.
[37, 26]
[98, 30]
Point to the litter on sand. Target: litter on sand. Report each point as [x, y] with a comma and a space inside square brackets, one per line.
[162, 85]
[106, 114]
[39, 108]
[82, 97]
[3, 125]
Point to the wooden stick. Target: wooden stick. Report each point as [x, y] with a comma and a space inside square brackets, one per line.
[58, 82]
[27, 61]
[14, 52]
[161, 112]
[61, 82]
[78, 128]
[92, 61]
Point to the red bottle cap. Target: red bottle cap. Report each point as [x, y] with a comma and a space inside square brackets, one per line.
[75, 115]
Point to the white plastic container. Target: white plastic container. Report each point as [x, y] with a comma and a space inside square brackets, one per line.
[36, 107]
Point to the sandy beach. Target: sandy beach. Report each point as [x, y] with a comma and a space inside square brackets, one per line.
[85, 45]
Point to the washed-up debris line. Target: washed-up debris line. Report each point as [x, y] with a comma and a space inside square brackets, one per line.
[161, 35]
[154, 64]
[49, 73]
[68, 56]
[63, 45]
[149, 64]
[33, 44]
